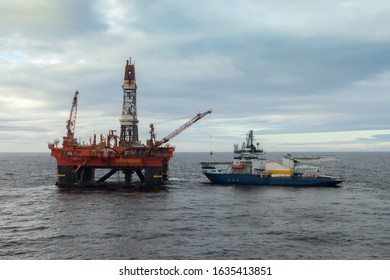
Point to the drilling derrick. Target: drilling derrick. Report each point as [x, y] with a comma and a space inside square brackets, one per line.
[128, 120]
[77, 163]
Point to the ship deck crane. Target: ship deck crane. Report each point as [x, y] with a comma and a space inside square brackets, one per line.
[176, 131]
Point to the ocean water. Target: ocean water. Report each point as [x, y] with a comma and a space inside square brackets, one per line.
[193, 219]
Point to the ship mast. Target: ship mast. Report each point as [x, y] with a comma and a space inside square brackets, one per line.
[249, 141]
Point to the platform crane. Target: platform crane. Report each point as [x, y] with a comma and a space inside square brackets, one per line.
[71, 122]
[155, 143]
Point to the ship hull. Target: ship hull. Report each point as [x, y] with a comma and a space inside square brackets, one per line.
[251, 179]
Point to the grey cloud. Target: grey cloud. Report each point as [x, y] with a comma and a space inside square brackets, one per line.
[376, 138]
[321, 74]
[57, 19]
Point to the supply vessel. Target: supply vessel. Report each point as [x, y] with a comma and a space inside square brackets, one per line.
[250, 166]
[82, 164]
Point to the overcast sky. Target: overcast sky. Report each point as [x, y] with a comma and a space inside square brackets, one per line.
[304, 75]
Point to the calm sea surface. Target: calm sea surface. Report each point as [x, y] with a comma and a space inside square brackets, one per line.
[193, 219]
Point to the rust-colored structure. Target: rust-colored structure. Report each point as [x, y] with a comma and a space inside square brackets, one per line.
[77, 163]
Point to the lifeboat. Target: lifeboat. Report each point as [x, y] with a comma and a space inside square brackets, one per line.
[238, 166]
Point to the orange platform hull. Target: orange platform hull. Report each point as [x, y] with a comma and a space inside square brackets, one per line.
[77, 163]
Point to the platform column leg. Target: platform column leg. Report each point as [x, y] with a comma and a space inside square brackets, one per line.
[66, 177]
[165, 171]
[128, 176]
[153, 176]
[87, 176]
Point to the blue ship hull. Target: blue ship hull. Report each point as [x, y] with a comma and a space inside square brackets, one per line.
[251, 179]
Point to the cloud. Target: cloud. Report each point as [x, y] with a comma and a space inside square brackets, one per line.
[53, 20]
[376, 138]
[279, 68]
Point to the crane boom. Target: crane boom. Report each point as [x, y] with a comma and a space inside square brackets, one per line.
[181, 128]
[71, 123]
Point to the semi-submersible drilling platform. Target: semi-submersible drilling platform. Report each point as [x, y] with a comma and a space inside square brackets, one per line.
[77, 163]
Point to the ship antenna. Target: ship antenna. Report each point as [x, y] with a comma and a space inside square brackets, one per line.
[211, 139]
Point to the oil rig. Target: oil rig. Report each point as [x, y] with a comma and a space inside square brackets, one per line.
[78, 163]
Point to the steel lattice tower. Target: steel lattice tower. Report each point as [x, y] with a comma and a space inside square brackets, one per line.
[128, 120]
